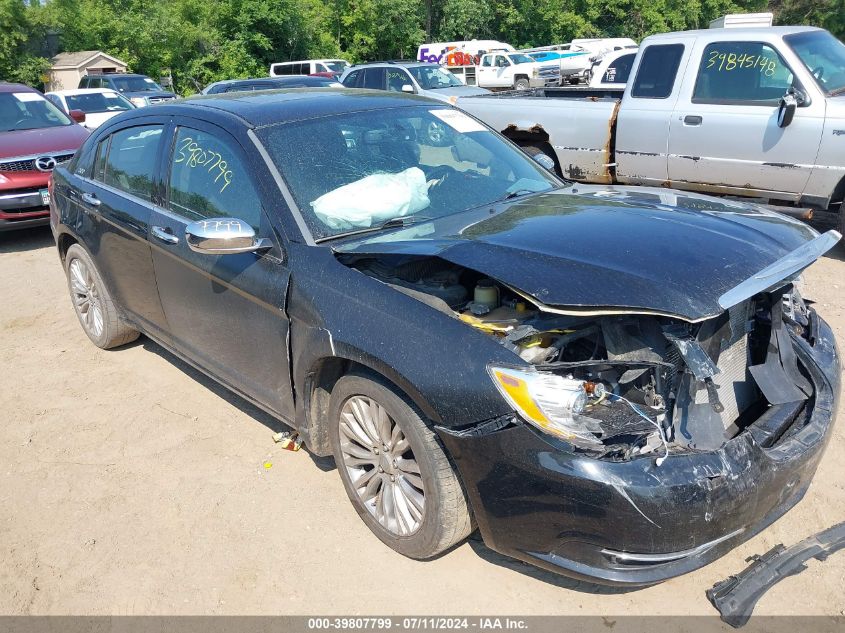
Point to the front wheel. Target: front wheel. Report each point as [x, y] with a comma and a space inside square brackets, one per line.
[395, 470]
[522, 84]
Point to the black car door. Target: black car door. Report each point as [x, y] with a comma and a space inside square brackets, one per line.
[116, 196]
[225, 312]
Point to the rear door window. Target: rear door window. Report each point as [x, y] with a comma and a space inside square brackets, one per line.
[131, 161]
[657, 71]
[209, 179]
[374, 78]
[741, 73]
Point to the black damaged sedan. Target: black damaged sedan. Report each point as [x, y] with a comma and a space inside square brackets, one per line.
[618, 384]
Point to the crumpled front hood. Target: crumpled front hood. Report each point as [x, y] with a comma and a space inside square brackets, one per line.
[603, 249]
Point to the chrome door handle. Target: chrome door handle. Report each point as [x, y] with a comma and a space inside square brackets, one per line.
[693, 119]
[91, 199]
[164, 235]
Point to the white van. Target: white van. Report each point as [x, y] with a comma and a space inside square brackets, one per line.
[334, 67]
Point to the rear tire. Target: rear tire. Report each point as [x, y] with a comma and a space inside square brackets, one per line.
[92, 302]
[395, 470]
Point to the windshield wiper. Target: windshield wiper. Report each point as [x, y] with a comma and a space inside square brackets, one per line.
[400, 221]
[510, 195]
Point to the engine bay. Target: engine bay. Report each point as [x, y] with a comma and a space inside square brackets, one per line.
[620, 385]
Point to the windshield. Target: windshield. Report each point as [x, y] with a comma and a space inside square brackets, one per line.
[353, 171]
[434, 77]
[337, 66]
[824, 57]
[521, 59]
[135, 84]
[28, 111]
[98, 102]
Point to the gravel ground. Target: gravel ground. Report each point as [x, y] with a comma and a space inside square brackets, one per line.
[132, 484]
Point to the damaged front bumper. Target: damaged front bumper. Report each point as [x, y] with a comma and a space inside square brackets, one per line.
[633, 522]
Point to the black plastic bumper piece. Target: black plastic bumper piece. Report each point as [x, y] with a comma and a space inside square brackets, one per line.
[634, 523]
[736, 597]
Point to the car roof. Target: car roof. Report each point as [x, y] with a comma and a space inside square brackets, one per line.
[117, 75]
[399, 62]
[9, 87]
[268, 107]
[80, 91]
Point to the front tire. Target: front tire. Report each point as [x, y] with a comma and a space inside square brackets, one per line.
[92, 302]
[522, 84]
[394, 469]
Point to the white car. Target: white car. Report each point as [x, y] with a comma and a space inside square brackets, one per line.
[98, 104]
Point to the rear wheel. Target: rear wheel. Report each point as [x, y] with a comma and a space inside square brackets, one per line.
[395, 470]
[92, 302]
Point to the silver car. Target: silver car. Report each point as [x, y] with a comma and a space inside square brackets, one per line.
[421, 78]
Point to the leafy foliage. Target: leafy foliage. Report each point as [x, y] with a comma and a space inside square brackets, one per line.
[201, 41]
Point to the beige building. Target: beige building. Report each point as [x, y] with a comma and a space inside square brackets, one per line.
[69, 68]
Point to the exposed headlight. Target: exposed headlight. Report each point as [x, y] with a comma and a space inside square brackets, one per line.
[139, 102]
[554, 404]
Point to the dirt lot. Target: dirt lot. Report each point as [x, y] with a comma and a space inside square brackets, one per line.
[131, 484]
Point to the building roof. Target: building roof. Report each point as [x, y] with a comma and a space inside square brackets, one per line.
[77, 59]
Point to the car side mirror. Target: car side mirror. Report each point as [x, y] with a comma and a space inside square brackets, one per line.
[408, 88]
[223, 236]
[786, 109]
[77, 115]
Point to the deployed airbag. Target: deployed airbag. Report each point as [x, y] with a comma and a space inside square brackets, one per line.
[373, 199]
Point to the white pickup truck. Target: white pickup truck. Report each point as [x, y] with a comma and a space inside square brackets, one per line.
[750, 112]
[515, 70]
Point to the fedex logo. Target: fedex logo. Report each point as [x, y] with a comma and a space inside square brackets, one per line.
[450, 55]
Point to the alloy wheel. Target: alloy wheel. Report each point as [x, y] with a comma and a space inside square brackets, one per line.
[381, 466]
[86, 298]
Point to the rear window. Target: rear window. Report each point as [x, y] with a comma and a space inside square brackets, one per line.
[351, 80]
[617, 72]
[657, 71]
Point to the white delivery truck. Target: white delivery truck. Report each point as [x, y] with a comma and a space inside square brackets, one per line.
[489, 64]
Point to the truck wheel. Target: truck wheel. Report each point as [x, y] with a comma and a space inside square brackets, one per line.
[92, 302]
[395, 470]
[522, 84]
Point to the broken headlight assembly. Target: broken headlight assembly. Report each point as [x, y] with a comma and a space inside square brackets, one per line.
[551, 403]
